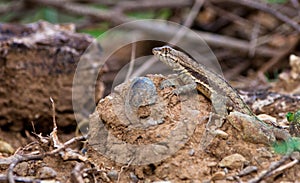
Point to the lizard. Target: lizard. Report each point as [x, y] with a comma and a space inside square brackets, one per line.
[195, 75]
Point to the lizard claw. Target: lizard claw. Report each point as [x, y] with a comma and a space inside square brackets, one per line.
[169, 97]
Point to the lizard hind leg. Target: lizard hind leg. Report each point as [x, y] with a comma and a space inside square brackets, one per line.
[212, 130]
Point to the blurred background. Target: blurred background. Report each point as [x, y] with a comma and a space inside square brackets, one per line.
[45, 44]
[42, 42]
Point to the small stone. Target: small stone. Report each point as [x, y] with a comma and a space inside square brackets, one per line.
[221, 134]
[212, 164]
[233, 161]
[6, 147]
[230, 178]
[113, 174]
[46, 173]
[21, 169]
[133, 177]
[295, 155]
[206, 181]
[226, 170]
[147, 181]
[264, 153]
[191, 152]
[218, 176]
[268, 119]
[295, 65]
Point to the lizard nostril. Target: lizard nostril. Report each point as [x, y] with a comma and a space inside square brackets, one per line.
[156, 51]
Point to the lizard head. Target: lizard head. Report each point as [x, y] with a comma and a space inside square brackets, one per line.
[162, 50]
[167, 55]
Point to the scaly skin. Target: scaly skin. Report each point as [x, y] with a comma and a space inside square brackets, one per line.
[196, 76]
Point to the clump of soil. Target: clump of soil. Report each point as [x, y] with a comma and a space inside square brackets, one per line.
[38, 61]
[114, 138]
[156, 139]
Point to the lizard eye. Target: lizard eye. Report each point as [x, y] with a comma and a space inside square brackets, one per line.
[166, 49]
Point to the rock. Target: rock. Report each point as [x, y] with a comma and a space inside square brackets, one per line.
[218, 176]
[206, 181]
[295, 65]
[233, 161]
[21, 169]
[264, 153]
[295, 155]
[39, 61]
[212, 164]
[46, 173]
[113, 174]
[133, 177]
[6, 147]
[191, 152]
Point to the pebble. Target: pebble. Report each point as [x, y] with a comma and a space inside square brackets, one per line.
[191, 152]
[264, 153]
[233, 161]
[21, 169]
[206, 181]
[295, 155]
[222, 134]
[218, 176]
[212, 164]
[46, 173]
[6, 147]
[133, 177]
[113, 174]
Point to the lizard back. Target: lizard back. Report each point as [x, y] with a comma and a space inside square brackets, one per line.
[208, 82]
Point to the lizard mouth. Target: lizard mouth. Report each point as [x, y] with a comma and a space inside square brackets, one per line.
[156, 51]
[164, 50]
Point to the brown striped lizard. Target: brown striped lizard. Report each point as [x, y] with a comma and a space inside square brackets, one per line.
[196, 76]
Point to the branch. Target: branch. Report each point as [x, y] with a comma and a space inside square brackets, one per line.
[84, 10]
[270, 10]
[163, 30]
[13, 6]
[125, 6]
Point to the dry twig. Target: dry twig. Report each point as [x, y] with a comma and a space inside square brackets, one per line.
[179, 34]
[77, 173]
[275, 168]
[276, 58]
[122, 168]
[270, 10]
[12, 6]
[69, 154]
[124, 6]
[119, 18]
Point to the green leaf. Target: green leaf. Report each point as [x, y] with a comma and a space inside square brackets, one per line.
[100, 6]
[97, 30]
[164, 14]
[50, 15]
[297, 117]
[93, 32]
[290, 116]
[7, 17]
[293, 144]
[277, 1]
[142, 15]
